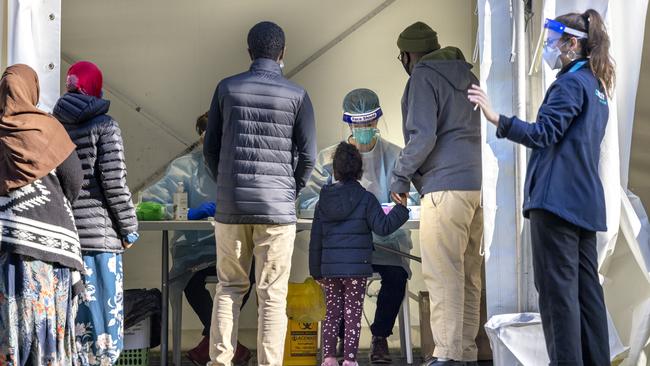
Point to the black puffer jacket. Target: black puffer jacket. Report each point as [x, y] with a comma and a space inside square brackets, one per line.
[341, 234]
[103, 212]
[260, 145]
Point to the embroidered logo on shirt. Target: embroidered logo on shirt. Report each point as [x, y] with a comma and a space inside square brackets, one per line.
[602, 98]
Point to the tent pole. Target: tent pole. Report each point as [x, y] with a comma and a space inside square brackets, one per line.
[519, 53]
[4, 26]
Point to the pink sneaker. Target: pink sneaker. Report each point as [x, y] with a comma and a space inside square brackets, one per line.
[350, 363]
[330, 361]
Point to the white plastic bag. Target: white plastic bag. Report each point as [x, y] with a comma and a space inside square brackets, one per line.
[517, 339]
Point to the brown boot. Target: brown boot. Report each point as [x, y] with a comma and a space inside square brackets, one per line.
[379, 353]
[242, 355]
[200, 355]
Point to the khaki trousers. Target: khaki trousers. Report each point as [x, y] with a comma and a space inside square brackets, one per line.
[272, 248]
[451, 228]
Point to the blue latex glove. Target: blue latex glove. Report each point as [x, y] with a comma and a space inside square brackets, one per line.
[205, 210]
[132, 238]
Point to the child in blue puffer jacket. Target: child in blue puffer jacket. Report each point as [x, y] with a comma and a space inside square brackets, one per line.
[340, 250]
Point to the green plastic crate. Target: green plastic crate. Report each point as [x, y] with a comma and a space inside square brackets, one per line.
[134, 357]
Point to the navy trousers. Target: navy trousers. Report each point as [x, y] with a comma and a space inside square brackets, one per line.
[571, 301]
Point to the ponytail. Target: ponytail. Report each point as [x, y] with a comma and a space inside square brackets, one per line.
[596, 46]
[598, 50]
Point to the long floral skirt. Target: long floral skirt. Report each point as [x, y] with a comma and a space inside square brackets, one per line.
[99, 323]
[36, 312]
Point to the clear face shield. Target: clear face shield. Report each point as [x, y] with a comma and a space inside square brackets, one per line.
[549, 44]
[363, 129]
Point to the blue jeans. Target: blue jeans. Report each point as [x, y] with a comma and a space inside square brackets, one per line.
[100, 318]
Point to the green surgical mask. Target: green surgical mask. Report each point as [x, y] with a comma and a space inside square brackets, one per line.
[364, 135]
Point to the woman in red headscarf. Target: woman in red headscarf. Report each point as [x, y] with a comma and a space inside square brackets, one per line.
[104, 214]
[40, 255]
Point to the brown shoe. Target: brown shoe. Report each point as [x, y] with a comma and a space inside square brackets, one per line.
[242, 355]
[379, 353]
[200, 355]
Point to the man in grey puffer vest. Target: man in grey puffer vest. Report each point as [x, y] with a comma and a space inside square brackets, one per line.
[260, 147]
[442, 158]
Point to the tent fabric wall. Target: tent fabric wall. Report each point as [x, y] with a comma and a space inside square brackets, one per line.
[34, 38]
[634, 304]
[504, 279]
[3, 35]
[639, 175]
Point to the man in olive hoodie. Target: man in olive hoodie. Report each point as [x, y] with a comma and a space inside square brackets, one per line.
[442, 158]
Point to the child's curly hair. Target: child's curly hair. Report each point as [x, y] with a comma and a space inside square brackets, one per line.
[347, 165]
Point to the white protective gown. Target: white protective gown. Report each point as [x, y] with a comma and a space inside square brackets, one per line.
[189, 248]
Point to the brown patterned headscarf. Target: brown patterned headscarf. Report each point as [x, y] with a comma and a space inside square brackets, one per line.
[32, 142]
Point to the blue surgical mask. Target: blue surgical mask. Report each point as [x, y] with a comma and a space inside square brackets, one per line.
[364, 135]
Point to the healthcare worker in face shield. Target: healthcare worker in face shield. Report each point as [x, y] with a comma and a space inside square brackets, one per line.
[194, 252]
[362, 113]
[564, 196]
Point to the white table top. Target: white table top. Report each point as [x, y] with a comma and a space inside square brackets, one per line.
[176, 225]
[301, 225]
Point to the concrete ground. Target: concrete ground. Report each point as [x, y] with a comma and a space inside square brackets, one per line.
[363, 360]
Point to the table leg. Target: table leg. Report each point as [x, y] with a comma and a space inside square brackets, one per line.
[406, 313]
[176, 298]
[164, 287]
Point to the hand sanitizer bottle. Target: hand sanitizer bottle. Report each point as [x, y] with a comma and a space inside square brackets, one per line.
[180, 203]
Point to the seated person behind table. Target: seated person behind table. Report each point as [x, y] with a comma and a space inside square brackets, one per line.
[194, 249]
[362, 113]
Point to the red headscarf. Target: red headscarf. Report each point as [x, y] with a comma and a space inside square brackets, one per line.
[86, 78]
